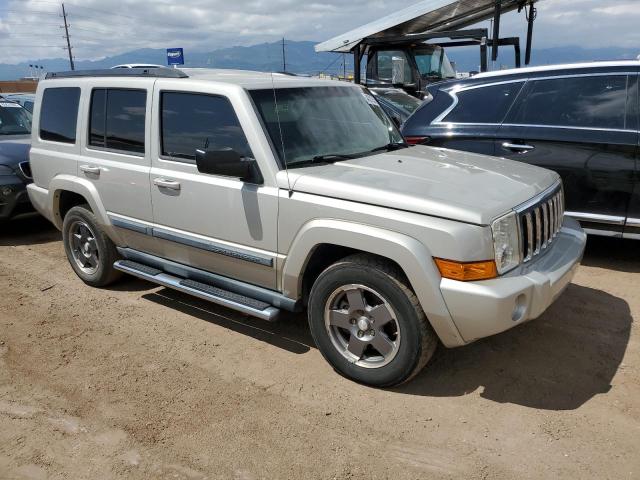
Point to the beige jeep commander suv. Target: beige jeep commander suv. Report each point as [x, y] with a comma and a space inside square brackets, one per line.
[265, 192]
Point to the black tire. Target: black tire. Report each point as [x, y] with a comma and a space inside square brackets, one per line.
[418, 341]
[104, 273]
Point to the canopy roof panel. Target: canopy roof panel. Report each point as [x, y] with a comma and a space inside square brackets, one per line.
[425, 16]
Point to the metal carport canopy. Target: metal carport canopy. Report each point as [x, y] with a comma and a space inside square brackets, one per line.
[423, 17]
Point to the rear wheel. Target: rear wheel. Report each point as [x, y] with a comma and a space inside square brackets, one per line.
[368, 323]
[89, 251]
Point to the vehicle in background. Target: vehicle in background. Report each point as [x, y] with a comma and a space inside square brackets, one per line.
[406, 49]
[27, 100]
[265, 192]
[396, 103]
[580, 120]
[139, 65]
[15, 174]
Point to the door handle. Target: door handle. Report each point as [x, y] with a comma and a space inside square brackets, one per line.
[166, 183]
[90, 169]
[517, 146]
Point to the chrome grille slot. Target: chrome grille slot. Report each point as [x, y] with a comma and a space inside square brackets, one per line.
[540, 220]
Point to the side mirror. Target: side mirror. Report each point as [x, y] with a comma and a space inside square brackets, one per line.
[228, 163]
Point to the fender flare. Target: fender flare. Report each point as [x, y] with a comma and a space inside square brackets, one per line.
[411, 255]
[88, 190]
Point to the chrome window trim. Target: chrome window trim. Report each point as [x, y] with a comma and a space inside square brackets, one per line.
[633, 222]
[597, 218]
[20, 166]
[452, 92]
[438, 121]
[579, 75]
[597, 129]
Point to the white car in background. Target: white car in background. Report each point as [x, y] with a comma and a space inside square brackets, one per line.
[139, 65]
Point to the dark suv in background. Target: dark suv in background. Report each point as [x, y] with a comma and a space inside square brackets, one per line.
[15, 174]
[580, 120]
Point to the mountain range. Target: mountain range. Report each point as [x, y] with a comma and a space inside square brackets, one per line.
[301, 58]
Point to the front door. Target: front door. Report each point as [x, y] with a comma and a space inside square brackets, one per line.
[578, 126]
[215, 223]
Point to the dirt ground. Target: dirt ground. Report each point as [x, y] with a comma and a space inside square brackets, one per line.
[140, 382]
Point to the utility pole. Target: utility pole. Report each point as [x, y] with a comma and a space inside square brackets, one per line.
[66, 34]
[344, 66]
[284, 57]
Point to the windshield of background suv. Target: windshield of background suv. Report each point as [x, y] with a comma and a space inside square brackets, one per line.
[323, 121]
[433, 63]
[14, 120]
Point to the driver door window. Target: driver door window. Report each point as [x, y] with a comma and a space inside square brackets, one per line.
[193, 121]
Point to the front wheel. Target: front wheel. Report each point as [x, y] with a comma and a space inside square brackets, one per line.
[368, 323]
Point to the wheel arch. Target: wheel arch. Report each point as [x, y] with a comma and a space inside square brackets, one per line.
[67, 192]
[323, 240]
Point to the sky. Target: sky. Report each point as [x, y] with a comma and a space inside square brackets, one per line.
[31, 29]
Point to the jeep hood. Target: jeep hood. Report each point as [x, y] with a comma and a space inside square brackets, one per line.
[439, 182]
[14, 149]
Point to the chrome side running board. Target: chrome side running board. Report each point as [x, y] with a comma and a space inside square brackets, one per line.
[234, 301]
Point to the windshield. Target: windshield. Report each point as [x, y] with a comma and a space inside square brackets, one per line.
[321, 122]
[433, 63]
[14, 119]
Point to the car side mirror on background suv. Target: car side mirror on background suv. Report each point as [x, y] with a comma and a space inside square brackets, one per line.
[229, 163]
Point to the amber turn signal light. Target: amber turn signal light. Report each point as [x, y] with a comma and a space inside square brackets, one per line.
[466, 272]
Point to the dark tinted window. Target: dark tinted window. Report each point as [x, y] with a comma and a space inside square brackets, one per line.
[59, 114]
[97, 120]
[118, 119]
[484, 104]
[194, 121]
[597, 102]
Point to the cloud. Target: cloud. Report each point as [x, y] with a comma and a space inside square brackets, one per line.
[30, 29]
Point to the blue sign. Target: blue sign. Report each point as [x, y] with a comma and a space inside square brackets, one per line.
[175, 56]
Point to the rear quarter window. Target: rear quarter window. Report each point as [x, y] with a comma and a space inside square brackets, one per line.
[417, 123]
[59, 114]
[488, 104]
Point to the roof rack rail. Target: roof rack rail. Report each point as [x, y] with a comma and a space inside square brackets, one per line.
[122, 72]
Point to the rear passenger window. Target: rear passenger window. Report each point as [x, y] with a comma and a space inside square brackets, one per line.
[59, 114]
[193, 121]
[487, 104]
[117, 119]
[596, 102]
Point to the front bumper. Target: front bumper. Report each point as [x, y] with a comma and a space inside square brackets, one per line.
[15, 203]
[484, 308]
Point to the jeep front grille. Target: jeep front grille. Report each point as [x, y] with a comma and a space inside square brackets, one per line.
[540, 221]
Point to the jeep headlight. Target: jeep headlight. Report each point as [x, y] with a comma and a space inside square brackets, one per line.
[506, 242]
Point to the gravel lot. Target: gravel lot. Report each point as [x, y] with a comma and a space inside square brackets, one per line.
[141, 382]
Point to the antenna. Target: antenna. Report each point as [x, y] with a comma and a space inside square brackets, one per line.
[284, 153]
[66, 34]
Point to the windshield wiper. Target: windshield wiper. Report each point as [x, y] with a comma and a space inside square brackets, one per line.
[389, 147]
[332, 157]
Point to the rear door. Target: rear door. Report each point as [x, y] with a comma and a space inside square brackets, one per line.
[578, 126]
[115, 154]
[472, 119]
